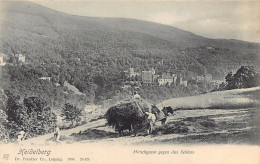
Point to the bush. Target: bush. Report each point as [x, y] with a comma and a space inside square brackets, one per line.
[71, 113]
[245, 77]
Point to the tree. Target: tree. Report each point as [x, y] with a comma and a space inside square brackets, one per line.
[230, 81]
[229, 77]
[71, 113]
[13, 106]
[40, 118]
[245, 77]
[12, 116]
[34, 104]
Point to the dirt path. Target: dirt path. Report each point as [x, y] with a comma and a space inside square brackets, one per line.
[44, 139]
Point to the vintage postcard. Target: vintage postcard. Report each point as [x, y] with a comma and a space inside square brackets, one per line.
[129, 81]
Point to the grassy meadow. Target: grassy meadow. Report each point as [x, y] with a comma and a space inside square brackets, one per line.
[230, 99]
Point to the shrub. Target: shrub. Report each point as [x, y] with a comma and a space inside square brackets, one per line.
[71, 113]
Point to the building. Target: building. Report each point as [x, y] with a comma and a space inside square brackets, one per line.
[174, 79]
[162, 81]
[131, 72]
[185, 83]
[166, 79]
[155, 78]
[20, 57]
[132, 75]
[2, 63]
[179, 81]
[147, 77]
[210, 48]
[125, 86]
[153, 71]
[216, 82]
[1, 59]
[45, 78]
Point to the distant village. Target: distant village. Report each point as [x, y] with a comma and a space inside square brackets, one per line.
[136, 79]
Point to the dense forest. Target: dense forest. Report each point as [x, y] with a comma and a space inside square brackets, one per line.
[91, 53]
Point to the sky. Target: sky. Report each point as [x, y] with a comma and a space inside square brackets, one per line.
[212, 19]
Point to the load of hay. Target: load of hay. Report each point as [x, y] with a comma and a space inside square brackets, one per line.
[127, 115]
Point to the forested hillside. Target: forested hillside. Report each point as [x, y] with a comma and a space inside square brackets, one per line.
[90, 54]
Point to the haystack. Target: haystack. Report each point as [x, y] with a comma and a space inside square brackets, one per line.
[127, 113]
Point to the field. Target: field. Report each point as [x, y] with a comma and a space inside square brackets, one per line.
[227, 117]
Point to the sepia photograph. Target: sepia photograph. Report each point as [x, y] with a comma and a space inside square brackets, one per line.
[130, 81]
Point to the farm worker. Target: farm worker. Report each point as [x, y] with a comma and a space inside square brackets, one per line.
[57, 134]
[150, 120]
[137, 96]
[20, 136]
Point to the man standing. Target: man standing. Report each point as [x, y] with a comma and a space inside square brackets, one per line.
[20, 136]
[57, 134]
[136, 96]
[150, 121]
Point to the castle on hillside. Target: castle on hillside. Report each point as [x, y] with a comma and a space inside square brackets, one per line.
[149, 77]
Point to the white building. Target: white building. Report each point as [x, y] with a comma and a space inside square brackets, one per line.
[217, 82]
[174, 79]
[45, 78]
[21, 57]
[2, 63]
[166, 79]
[185, 83]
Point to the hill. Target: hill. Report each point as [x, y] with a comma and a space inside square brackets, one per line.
[180, 38]
[90, 53]
[29, 16]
